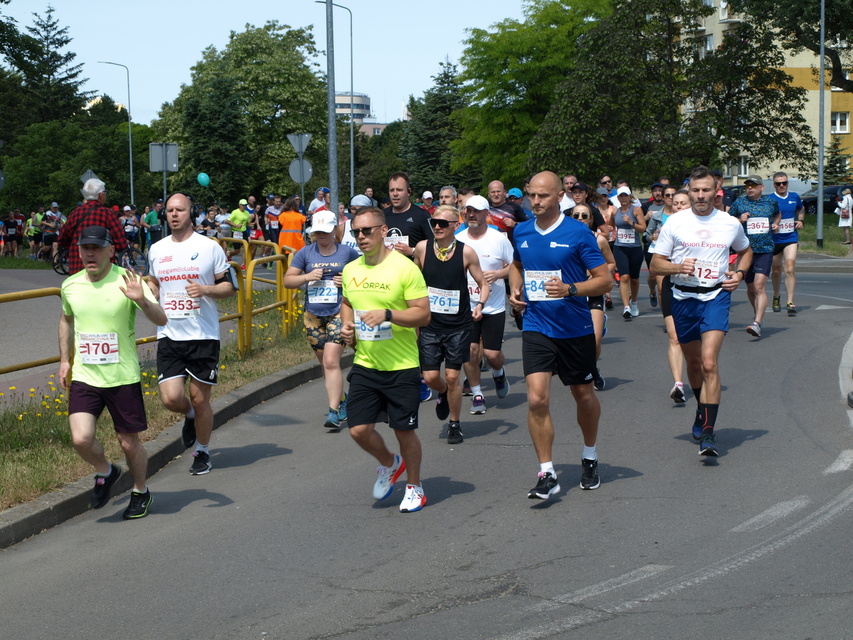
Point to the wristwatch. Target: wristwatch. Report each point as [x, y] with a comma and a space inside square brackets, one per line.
[573, 290]
[388, 315]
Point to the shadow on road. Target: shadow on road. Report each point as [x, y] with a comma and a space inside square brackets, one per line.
[229, 457]
[171, 502]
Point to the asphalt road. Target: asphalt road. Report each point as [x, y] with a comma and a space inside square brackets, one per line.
[283, 540]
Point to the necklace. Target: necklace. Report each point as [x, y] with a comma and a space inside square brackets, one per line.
[443, 254]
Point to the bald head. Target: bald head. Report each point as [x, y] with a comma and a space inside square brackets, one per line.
[497, 193]
[179, 213]
[545, 191]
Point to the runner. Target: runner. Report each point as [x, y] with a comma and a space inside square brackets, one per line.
[318, 267]
[495, 254]
[188, 274]
[785, 242]
[693, 248]
[385, 298]
[446, 264]
[548, 278]
[99, 306]
[629, 223]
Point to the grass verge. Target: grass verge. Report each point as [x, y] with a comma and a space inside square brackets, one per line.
[833, 237]
[36, 453]
[23, 263]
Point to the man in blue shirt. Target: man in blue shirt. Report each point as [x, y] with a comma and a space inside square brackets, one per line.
[556, 265]
[785, 241]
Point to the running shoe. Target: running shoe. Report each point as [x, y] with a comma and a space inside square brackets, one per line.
[754, 330]
[589, 476]
[707, 446]
[103, 484]
[342, 409]
[777, 305]
[479, 405]
[454, 433]
[608, 302]
[138, 507]
[635, 311]
[653, 299]
[387, 477]
[792, 309]
[501, 385]
[626, 313]
[597, 380]
[545, 488]
[201, 464]
[466, 388]
[442, 407]
[677, 393]
[188, 433]
[414, 500]
[333, 421]
[426, 392]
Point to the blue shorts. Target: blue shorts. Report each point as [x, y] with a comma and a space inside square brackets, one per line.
[761, 263]
[694, 317]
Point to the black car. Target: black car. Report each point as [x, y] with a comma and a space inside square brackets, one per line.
[831, 198]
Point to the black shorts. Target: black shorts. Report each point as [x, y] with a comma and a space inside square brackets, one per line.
[452, 348]
[491, 329]
[376, 396]
[179, 358]
[12, 237]
[50, 238]
[761, 263]
[665, 297]
[573, 359]
[779, 248]
[36, 238]
[123, 402]
[629, 261]
[595, 302]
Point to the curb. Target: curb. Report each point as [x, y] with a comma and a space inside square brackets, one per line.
[25, 520]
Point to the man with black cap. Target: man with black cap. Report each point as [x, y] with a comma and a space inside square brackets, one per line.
[652, 209]
[99, 307]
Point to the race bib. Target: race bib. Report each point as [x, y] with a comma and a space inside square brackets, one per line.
[787, 226]
[443, 300]
[625, 236]
[238, 235]
[211, 233]
[757, 226]
[322, 292]
[473, 290]
[390, 241]
[534, 284]
[98, 348]
[273, 224]
[129, 228]
[179, 304]
[706, 273]
[381, 331]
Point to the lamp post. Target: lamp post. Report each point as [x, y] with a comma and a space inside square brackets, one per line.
[351, 101]
[129, 128]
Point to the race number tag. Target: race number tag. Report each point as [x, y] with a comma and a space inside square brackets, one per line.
[390, 241]
[787, 226]
[381, 331]
[534, 284]
[98, 348]
[757, 226]
[179, 304]
[443, 300]
[273, 224]
[706, 273]
[473, 289]
[238, 235]
[322, 292]
[625, 236]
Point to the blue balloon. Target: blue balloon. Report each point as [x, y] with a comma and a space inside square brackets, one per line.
[203, 179]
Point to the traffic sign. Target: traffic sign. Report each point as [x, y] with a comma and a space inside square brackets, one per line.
[300, 143]
[89, 175]
[301, 170]
[163, 156]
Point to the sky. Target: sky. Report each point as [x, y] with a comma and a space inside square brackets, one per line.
[398, 44]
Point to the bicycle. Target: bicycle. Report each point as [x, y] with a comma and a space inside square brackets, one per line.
[131, 259]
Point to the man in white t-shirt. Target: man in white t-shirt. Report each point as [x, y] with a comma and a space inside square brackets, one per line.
[495, 254]
[693, 248]
[188, 274]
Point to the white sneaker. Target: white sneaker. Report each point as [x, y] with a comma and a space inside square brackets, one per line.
[634, 310]
[387, 477]
[414, 499]
[626, 313]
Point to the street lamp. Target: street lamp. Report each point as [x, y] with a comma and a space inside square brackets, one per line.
[129, 127]
[351, 101]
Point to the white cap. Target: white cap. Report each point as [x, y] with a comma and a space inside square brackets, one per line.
[54, 204]
[324, 221]
[623, 189]
[427, 194]
[478, 202]
[126, 208]
[361, 201]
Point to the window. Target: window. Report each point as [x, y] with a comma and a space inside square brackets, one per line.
[376, 131]
[743, 166]
[840, 122]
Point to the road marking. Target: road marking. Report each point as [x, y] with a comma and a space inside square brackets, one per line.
[771, 515]
[603, 587]
[829, 307]
[845, 366]
[818, 518]
[842, 463]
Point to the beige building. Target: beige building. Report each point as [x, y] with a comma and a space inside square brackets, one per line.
[358, 102]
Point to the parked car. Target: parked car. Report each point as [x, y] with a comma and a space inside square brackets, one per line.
[831, 197]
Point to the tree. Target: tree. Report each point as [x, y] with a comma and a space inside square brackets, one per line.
[382, 156]
[836, 166]
[646, 100]
[430, 131]
[509, 75]
[797, 25]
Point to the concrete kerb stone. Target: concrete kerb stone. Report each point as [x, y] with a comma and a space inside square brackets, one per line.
[22, 521]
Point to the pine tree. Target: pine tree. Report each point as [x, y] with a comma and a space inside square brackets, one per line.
[836, 165]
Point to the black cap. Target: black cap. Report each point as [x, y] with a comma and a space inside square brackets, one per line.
[716, 173]
[579, 185]
[658, 185]
[95, 235]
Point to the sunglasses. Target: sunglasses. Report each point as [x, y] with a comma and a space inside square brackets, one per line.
[365, 231]
[606, 182]
[439, 222]
[581, 216]
[668, 195]
[781, 184]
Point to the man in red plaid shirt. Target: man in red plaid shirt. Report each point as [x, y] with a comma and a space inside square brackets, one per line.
[91, 213]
